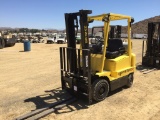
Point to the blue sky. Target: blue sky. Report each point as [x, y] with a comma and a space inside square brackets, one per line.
[44, 14]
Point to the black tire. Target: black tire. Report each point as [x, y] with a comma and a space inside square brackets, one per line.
[100, 89]
[2, 43]
[130, 80]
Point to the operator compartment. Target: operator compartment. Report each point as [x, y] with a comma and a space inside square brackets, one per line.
[115, 55]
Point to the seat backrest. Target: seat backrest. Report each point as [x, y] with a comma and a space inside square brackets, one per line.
[114, 45]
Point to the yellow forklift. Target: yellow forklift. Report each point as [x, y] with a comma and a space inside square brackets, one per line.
[95, 74]
[90, 74]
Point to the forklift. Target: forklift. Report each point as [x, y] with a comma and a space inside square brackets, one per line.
[87, 73]
[95, 74]
[151, 47]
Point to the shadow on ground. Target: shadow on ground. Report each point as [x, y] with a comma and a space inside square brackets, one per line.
[55, 95]
[58, 94]
[43, 102]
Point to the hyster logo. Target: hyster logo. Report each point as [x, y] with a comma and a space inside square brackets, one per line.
[125, 71]
[85, 34]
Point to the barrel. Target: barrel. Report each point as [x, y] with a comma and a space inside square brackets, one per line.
[27, 46]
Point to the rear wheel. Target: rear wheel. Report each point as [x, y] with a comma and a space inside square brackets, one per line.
[130, 80]
[100, 89]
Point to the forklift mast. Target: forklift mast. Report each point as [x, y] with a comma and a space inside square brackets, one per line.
[75, 63]
[72, 24]
[115, 31]
[151, 57]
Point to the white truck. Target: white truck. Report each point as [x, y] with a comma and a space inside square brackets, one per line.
[140, 36]
[59, 38]
[51, 39]
[123, 35]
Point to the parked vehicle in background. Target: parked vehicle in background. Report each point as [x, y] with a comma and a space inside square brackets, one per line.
[24, 38]
[140, 36]
[51, 39]
[31, 39]
[123, 35]
[40, 39]
[59, 38]
[7, 40]
[35, 39]
[99, 34]
[18, 39]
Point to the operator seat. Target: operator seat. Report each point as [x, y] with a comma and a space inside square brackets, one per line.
[115, 48]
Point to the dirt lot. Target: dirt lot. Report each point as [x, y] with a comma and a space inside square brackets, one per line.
[30, 80]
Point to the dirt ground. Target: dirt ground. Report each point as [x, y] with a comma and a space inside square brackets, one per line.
[31, 80]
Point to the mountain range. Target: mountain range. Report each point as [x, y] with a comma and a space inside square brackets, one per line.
[137, 28]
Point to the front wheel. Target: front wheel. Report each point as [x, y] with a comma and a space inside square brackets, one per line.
[100, 89]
